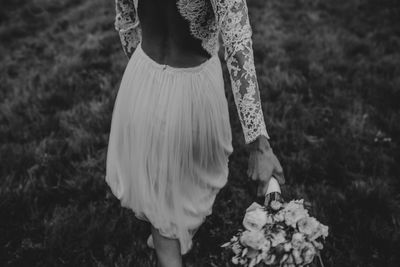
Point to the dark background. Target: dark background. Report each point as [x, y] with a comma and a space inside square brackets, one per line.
[329, 74]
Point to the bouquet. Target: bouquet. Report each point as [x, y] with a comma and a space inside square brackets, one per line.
[277, 234]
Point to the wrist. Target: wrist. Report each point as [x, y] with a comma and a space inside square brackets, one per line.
[260, 143]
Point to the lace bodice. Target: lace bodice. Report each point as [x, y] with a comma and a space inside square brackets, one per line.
[208, 19]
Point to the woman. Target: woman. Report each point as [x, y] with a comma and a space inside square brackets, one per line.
[170, 135]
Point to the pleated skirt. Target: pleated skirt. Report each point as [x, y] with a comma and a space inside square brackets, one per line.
[169, 144]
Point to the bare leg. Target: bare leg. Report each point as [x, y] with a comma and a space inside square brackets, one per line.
[168, 250]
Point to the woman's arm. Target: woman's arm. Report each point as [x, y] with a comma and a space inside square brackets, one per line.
[236, 34]
[127, 25]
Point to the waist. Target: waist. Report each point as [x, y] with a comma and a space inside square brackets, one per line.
[139, 52]
[174, 51]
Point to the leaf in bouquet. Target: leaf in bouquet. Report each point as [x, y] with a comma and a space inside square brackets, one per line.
[259, 258]
[289, 259]
[253, 262]
[227, 244]
[317, 245]
[283, 259]
[244, 252]
[237, 248]
[269, 259]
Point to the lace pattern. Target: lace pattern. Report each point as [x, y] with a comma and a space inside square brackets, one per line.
[208, 19]
[236, 34]
[127, 25]
[203, 26]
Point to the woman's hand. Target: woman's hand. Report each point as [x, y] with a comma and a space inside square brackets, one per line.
[263, 164]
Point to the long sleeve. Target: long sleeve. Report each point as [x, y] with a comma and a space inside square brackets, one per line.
[127, 25]
[236, 34]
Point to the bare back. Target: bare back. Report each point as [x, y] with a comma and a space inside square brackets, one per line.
[166, 36]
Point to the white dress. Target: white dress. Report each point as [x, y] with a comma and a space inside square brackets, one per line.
[170, 137]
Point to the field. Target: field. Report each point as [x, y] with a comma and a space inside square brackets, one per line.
[329, 75]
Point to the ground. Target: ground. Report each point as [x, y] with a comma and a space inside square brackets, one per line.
[329, 75]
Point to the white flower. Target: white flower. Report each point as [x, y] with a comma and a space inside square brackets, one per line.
[275, 205]
[279, 217]
[308, 225]
[253, 239]
[235, 260]
[293, 213]
[255, 217]
[287, 246]
[266, 247]
[297, 256]
[324, 230]
[308, 253]
[312, 228]
[297, 240]
[278, 238]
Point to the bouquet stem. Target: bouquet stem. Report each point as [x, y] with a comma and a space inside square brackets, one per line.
[273, 192]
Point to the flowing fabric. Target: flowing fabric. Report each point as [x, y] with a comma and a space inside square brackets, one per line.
[169, 144]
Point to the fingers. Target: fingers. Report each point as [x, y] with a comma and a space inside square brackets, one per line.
[263, 168]
[250, 168]
[279, 177]
[278, 172]
[254, 175]
[262, 188]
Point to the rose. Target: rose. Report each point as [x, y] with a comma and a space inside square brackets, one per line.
[297, 240]
[279, 217]
[278, 238]
[287, 246]
[312, 228]
[253, 239]
[294, 204]
[255, 217]
[294, 212]
[324, 230]
[308, 225]
[275, 205]
[308, 253]
[297, 256]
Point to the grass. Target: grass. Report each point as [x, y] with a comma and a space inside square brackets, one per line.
[329, 78]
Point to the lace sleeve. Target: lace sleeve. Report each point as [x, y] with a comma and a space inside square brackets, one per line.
[236, 35]
[127, 25]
